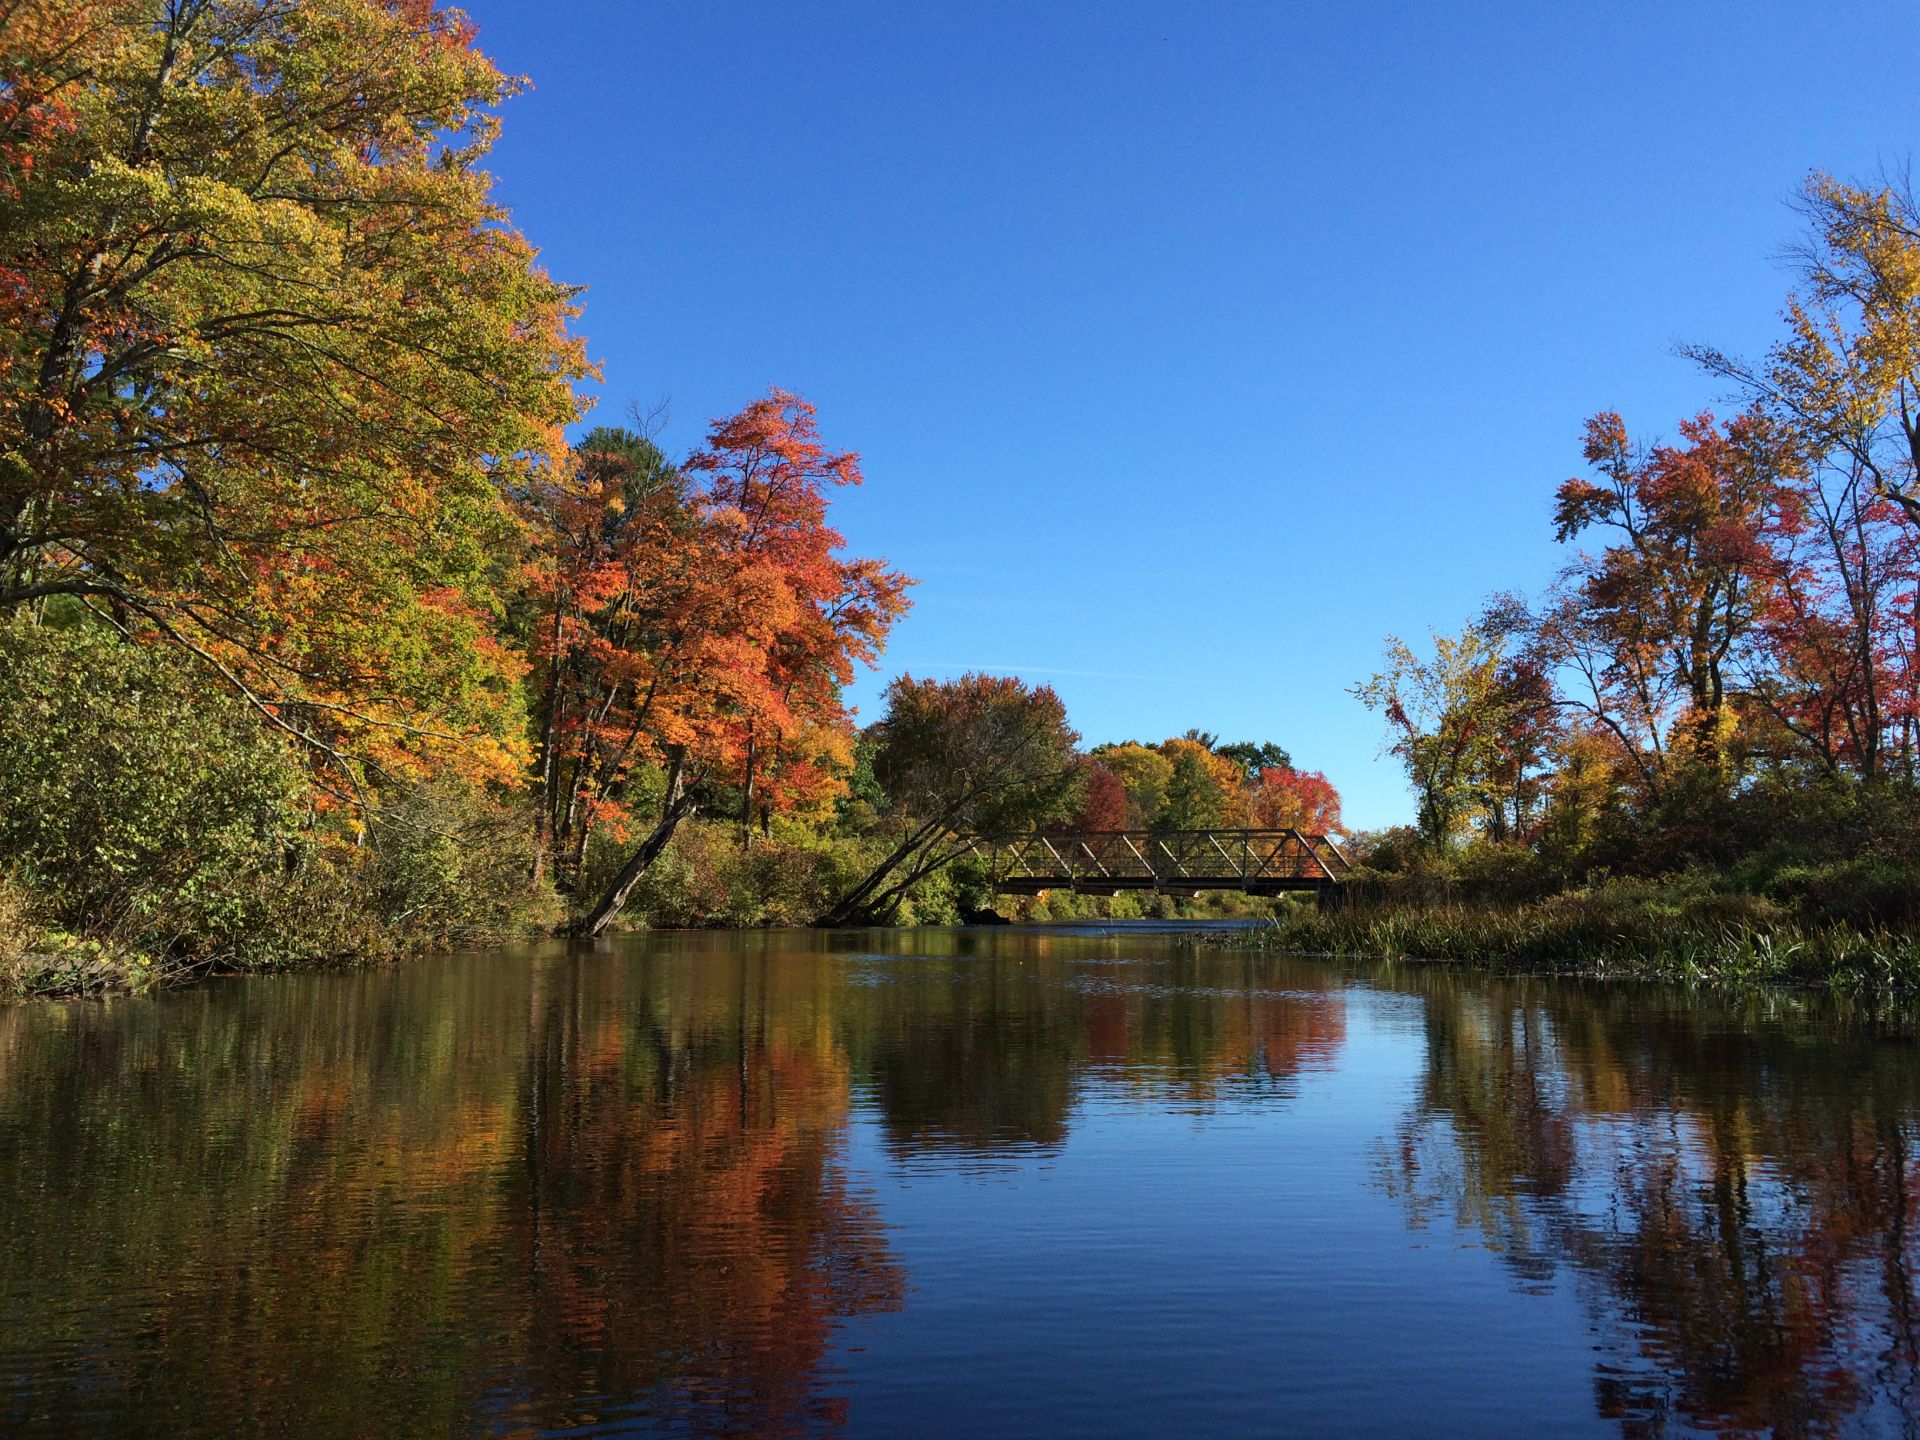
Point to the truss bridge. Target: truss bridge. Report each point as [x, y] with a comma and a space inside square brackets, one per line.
[1178, 862]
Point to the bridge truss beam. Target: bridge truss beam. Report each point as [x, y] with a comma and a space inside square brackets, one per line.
[1106, 862]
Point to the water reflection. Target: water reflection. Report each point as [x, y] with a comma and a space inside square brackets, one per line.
[1731, 1185]
[524, 1198]
[983, 1058]
[555, 1193]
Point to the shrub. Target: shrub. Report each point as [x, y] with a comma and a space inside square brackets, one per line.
[133, 799]
[706, 877]
[17, 926]
[1863, 892]
[449, 864]
[147, 815]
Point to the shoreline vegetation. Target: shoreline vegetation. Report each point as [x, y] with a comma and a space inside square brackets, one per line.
[1647, 933]
[329, 635]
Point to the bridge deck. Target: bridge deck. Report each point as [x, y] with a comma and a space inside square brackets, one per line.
[1106, 862]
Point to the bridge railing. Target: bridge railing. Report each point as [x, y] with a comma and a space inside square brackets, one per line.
[1171, 858]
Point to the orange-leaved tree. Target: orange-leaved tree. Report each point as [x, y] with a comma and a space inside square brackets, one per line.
[1658, 622]
[1287, 799]
[699, 619]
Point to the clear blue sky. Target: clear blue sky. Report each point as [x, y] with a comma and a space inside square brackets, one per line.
[1189, 349]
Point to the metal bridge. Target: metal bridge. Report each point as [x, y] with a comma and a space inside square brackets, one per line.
[1177, 862]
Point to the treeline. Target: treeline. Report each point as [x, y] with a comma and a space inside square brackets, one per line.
[318, 638]
[1722, 689]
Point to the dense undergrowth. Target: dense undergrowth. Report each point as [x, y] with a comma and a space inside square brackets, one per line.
[1847, 924]
[150, 830]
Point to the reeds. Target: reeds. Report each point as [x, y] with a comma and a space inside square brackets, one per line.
[1612, 935]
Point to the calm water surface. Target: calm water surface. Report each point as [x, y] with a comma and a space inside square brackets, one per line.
[954, 1183]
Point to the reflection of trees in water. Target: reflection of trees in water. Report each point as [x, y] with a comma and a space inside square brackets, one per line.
[971, 1056]
[538, 1195]
[1736, 1197]
[979, 1058]
[389, 1204]
[683, 1141]
[1208, 1030]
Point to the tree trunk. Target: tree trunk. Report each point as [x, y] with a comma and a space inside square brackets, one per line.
[679, 806]
[867, 898]
[746, 796]
[853, 905]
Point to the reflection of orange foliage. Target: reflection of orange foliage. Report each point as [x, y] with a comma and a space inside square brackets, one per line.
[1107, 1025]
[397, 1199]
[693, 1239]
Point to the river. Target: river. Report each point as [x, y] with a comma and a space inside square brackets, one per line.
[940, 1182]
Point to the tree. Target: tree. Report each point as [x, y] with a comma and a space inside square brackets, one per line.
[702, 620]
[267, 352]
[1446, 715]
[615, 551]
[1198, 787]
[1288, 799]
[1103, 804]
[1844, 385]
[1144, 773]
[1683, 585]
[1255, 758]
[1847, 377]
[766, 481]
[1512, 794]
[982, 754]
[1834, 666]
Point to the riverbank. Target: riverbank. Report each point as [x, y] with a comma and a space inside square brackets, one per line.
[1623, 932]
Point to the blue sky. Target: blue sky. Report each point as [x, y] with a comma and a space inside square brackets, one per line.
[1190, 349]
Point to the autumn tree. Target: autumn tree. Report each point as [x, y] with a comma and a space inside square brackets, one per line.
[1834, 668]
[1527, 713]
[1103, 802]
[1847, 376]
[1683, 582]
[978, 755]
[1283, 798]
[1445, 716]
[1255, 757]
[1844, 385]
[1144, 774]
[1200, 786]
[268, 351]
[700, 619]
[615, 546]
[1196, 782]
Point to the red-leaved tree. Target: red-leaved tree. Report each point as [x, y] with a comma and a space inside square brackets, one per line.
[697, 622]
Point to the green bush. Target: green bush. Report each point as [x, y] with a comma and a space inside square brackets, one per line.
[1863, 892]
[706, 877]
[449, 864]
[133, 799]
[151, 824]
[1679, 930]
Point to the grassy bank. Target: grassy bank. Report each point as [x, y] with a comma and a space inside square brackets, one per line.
[1676, 932]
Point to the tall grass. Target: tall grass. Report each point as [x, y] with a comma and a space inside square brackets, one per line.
[1624, 934]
